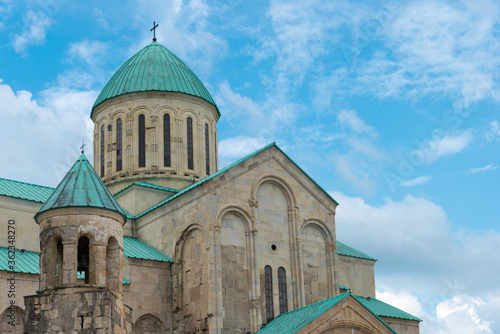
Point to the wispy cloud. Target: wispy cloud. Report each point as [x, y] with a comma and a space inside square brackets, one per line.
[91, 52]
[35, 30]
[481, 169]
[416, 182]
[446, 145]
[351, 119]
[493, 131]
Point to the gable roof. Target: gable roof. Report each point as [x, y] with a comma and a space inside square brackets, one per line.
[292, 321]
[383, 309]
[23, 190]
[343, 249]
[225, 169]
[146, 185]
[81, 187]
[137, 249]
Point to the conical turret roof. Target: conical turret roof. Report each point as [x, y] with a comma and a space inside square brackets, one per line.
[81, 187]
[154, 68]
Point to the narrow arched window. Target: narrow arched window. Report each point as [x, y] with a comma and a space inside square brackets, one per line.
[282, 289]
[119, 145]
[207, 150]
[142, 141]
[269, 293]
[166, 140]
[102, 151]
[190, 143]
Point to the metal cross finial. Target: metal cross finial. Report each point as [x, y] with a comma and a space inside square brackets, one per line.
[154, 30]
[83, 145]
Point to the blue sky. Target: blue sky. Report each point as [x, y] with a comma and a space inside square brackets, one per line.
[392, 107]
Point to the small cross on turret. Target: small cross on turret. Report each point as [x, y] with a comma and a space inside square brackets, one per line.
[83, 145]
[154, 30]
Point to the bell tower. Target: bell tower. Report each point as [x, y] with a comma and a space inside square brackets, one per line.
[154, 122]
[81, 243]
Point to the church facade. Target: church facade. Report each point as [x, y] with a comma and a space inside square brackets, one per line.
[155, 238]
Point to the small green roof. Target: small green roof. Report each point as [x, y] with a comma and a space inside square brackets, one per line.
[292, 321]
[137, 249]
[81, 187]
[383, 309]
[343, 249]
[154, 68]
[146, 185]
[23, 190]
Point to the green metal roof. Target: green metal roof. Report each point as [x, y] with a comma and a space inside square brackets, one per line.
[146, 185]
[343, 249]
[343, 287]
[383, 309]
[222, 171]
[291, 322]
[23, 190]
[154, 68]
[81, 187]
[26, 262]
[137, 249]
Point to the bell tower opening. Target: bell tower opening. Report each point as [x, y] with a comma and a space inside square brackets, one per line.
[83, 259]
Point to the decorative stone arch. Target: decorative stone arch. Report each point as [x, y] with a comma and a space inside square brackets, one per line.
[321, 226]
[278, 181]
[12, 313]
[239, 211]
[166, 109]
[187, 112]
[346, 324]
[148, 324]
[142, 109]
[120, 113]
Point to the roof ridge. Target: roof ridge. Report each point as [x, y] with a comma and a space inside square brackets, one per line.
[27, 183]
[208, 178]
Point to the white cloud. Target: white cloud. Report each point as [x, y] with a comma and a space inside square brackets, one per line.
[91, 52]
[54, 124]
[481, 169]
[446, 145]
[421, 256]
[460, 315]
[416, 182]
[36, 25]
[350, 118]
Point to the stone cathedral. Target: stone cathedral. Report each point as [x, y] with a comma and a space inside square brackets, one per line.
[155, 238]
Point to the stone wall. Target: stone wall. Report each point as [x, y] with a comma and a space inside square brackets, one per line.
[82, 310]
[149, 294]
[403, 326]
[358, 275]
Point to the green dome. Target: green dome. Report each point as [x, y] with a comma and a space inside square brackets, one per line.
[154, 68]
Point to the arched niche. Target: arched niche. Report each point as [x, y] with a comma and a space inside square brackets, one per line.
[314, 240]
[113, 265]
[148, 324]
[14, 315]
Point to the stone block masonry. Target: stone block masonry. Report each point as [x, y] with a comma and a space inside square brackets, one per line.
[77, 310]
